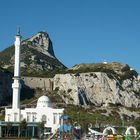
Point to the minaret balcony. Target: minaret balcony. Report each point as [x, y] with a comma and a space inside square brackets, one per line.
[16, 77]
[16, 85]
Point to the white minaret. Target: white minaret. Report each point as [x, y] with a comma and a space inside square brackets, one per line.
[16, 84]
[13, 115]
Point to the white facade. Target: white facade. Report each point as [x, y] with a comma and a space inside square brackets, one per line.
[43, 111]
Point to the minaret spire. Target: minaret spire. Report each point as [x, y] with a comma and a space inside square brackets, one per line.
[18, 31]
[16, 84]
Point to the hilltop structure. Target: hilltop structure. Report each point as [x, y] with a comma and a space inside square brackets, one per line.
[43, 111]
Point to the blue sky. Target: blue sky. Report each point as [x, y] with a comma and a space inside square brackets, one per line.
[82, 31]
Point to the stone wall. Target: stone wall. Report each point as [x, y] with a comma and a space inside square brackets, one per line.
[38, 82]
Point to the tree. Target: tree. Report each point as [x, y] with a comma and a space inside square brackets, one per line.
[8, 127]
[23, 126]
[41, 128]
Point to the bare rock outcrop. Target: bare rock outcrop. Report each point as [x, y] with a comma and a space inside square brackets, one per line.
[37, 56]
[98, 88]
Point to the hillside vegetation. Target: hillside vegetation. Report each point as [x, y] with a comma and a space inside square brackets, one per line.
[120, 71]
[37, 57]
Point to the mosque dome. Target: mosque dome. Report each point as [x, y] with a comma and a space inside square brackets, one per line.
[43, 101]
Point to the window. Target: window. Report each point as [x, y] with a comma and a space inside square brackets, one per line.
[60, 115]
[54, 118]
[8, 115]
[44, 118]
[48, 130]
[28, 116]
[33, 117]
[21, 117]
[15, 117]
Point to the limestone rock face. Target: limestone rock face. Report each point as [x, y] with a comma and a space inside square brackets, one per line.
[37, 56]
[97, 88]
[41, 42]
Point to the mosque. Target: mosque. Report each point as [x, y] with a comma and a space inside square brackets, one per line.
[44, 112]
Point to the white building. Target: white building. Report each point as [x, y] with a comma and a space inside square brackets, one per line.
[43, 111]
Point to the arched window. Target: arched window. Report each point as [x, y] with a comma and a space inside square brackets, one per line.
[28, 116]
[8, 117]
[15, 117]
[44, 118]
[34, 116]
[54, 118]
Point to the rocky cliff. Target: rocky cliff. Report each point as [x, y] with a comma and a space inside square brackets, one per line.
[100, 88]
[37, 56]
[5, 86]
[112, 84]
